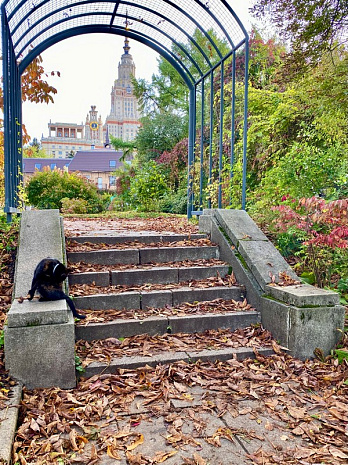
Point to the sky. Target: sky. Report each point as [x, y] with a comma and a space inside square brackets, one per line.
[88, 68]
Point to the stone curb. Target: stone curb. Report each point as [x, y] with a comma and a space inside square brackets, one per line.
[165, 358]
[145, 239]
[157, 298]
[8, 423]
[161, 325]
[145, 255]
[154, 275]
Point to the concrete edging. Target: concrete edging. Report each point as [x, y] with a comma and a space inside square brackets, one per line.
[8, 423]
[301, 317]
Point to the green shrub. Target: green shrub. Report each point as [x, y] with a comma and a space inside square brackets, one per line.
[78, 206]
[148, 186]
[174, 202]
[47, 189]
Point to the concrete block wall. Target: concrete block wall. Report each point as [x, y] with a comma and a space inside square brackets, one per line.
[39, 336]
[301, 317]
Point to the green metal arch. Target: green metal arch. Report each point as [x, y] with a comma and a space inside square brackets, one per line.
[31, 26]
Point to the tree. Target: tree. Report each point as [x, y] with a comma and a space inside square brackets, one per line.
[159, 133]
[168, 92]
[127, 146]
[311, 27]
[34, 150]
[35, 89]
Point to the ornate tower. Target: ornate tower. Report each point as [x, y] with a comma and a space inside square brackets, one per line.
[94, 127]
[123, 120]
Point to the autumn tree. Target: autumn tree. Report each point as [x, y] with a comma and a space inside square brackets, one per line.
[36, 89]
[311, 27]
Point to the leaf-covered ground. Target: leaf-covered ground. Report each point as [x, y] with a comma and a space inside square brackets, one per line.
[265, 410]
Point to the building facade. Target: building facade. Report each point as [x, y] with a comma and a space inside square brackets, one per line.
[65, 139]
[123, 120]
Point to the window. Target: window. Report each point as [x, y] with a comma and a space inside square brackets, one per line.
[60, 152]
[112, 163]
[53, 165]
[112, 181]
[37, 166]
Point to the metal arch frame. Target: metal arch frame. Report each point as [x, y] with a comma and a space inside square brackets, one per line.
[12, 82]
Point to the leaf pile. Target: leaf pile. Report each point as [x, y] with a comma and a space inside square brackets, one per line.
[216, 306]
[306, 403]
[105, 350]
[91, 289]
[160, 224]
[74, 246]
[84, 267]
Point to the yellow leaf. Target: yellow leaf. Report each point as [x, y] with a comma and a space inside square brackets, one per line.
[112, 453]
[136, 443]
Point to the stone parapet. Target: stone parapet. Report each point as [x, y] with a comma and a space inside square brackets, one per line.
[39, 336]
[301, 317]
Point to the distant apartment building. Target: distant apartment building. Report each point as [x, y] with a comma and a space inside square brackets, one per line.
[65, 139]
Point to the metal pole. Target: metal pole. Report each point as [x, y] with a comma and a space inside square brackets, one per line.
[202, 149]
[191, 149]
[211, 128]
[221, 134]
[245, 128]
[233, 108]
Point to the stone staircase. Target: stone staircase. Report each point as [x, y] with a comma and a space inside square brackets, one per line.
[153, 299]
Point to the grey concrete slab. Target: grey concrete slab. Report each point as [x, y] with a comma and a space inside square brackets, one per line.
[189, 294]
[156, 275]
[239, 353]
[275, 317]
[177, 254]
[127, 300]
[312, 328]
[122, 328]
[186, 443]
[264, 261]
[42, 356]
[148, 238]
[100, 278]
[156, 299]
[130, 363]
[200, 323]
[35, 313]
[106, 257]
[241, 272]
[201, 272]
[303, 295]
[239, 226]
[40, 237]
[8, 423]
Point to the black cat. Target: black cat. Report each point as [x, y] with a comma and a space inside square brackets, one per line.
[47, 281]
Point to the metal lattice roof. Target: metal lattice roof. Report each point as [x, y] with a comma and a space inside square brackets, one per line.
[166, 26]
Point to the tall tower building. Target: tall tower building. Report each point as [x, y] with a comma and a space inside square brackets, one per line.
[123, 120]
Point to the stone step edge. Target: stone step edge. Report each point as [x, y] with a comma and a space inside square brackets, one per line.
[153, 274]
[158, 298]
[145, 238]
[164, 358]
[144, 255]
[170, 324]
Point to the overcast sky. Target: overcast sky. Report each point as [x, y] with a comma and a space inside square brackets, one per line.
[88, 67]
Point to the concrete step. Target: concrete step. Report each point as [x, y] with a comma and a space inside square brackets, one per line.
[144, 238]
[122, 328]
[144, 255]
[153, 275]
[158, 298]
[164, 358]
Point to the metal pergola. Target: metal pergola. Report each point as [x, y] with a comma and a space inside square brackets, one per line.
[218, 66]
